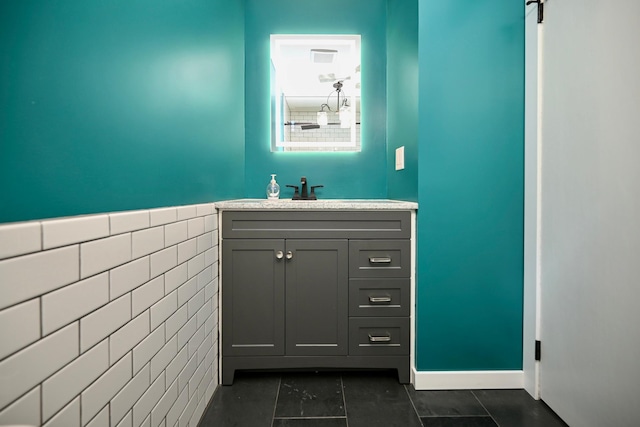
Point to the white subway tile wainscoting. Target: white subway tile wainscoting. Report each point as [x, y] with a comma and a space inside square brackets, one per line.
[109, 320]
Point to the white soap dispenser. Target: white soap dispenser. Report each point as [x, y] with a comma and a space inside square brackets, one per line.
[273, 189]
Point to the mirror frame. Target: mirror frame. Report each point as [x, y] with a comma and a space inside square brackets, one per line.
[278, 142]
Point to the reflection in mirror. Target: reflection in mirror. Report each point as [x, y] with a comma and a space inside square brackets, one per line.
[315, 93]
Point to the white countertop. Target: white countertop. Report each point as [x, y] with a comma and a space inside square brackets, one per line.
[325, 204]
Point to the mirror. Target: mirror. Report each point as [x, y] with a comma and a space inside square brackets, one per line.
[315, 93]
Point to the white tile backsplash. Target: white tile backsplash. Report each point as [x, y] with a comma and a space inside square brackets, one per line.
[25, 410]
[99, 324]
[104, 254]
[187, 212]
[195, 265]
[175, 277]
[147, 241]
[64, 232]
[19, 326]
[88, 321]
[147, 295]
[163, 216]
[122, 403]
[70, 303]
[176, 232]
[176, 321]
[205, 209]
[187, 250]
[189, 410]
[19, 239]
[69, 416]
[195, 227]
[205, 277]
[163, 309]
[144, 351]
[100, 420]
[187, 291]
[174, 412]
[195, 303]
[105, 388]
[186, 332]
[187, 372]
[162, 358]
[210, 223]
[29, 367]
[196, 340]
[164, 404]
[69, 382]
[127, 337]
[205, 242]
[122, 222]
[129, 276]
[163, 261]
[144, 405]
[127, 421]
[30, 276]
[177, 364]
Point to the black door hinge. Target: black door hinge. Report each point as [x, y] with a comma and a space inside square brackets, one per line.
[538, 351]
[540, 9]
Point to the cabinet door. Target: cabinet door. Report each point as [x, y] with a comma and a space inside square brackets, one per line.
[317, 295]
[253, 297]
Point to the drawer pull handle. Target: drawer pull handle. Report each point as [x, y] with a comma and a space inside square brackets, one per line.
[383, 338]
[380, 260]
[379, 299]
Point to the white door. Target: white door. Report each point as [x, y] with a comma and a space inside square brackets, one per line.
[532, 122]
[590, 235]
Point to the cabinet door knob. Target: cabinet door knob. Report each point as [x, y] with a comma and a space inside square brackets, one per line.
[289, 254]
[279, 254]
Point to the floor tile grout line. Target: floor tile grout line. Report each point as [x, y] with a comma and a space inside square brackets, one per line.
[485, 408]
[331, 417]
[275, 405]
[344, 402]
[406, 390]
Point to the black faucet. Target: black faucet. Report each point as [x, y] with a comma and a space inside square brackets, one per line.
[304, 193]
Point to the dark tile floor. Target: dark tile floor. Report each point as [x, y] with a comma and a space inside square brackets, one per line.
[365, 399]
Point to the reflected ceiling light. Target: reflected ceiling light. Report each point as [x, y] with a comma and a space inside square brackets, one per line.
[323, 56]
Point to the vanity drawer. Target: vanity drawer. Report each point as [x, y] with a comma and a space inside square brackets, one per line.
[379, 297]
[316, 224]
[379, 258]
[372, 336]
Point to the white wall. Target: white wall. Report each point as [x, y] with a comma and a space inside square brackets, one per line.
[109, 320]
[590, 372]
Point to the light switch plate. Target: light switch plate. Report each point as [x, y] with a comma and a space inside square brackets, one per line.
[400, 158]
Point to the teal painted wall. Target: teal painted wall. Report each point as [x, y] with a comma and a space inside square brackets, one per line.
[119, 105]
[352, 175]
[470, 191]
[402, 97]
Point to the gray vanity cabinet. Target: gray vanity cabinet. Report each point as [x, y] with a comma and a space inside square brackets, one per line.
[316, 297]
[253, 298]
[315, 289]
[275, 286]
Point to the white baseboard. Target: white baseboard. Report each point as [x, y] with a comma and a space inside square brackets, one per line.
[466, 380]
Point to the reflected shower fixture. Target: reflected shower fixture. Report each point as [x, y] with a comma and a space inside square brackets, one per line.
[342, 108]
